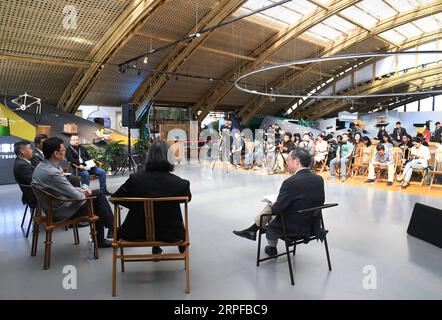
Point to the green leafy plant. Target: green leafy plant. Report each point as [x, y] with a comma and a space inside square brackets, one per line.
[98, 154]
[113, 154]
[141, 147]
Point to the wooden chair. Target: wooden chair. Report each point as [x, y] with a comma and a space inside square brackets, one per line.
[397, 158]
[348, 169]
[322, 164]
[31, 206]
[293, 240]
[362, 165]
[76, 168]
[436, 168]
[150, 240]
[423, 172]
[47, 222]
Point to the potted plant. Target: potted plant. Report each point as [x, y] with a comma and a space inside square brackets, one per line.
[113, 154]
[141, 147]
[99, 155]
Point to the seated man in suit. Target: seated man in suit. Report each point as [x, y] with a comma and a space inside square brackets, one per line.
[303, 190]
[38, 157]
[47, 176]
[77, 154]
[23, 170]
[155, 181]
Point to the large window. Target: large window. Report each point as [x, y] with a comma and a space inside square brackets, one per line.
[438, 103]
[426, 104]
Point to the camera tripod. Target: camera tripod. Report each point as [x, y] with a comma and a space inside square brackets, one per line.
[219, 153]
[129, 161]
[278, 153]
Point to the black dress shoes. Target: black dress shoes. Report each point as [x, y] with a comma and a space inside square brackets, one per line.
[157, 250]
[248, 234]
[107, 193]
[110, 233]
[271, 251]
[105, 244]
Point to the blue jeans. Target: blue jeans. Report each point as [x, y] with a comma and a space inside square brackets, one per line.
[342, 162]
[84, 174]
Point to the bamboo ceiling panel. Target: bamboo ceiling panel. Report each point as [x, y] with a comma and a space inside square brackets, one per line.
[177, 18]
[36, 27]
[43, 81]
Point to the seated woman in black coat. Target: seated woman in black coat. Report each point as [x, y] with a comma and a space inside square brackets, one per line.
[155, 181]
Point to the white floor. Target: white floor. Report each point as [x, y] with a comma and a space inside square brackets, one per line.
[367, 229]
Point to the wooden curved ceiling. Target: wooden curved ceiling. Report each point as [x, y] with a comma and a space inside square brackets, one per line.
[73, 67]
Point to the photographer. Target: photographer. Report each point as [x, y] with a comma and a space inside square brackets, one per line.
[284, 149]
[277, 132]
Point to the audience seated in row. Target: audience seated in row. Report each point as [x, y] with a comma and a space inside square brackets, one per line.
[48, 176]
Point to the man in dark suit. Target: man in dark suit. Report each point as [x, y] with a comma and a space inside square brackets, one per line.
[23, 170]
[302, 190]
[155, 181]
[399, 132]
[37, 155]
[437, 132]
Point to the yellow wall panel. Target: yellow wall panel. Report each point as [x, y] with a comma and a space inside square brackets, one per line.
[18, 126]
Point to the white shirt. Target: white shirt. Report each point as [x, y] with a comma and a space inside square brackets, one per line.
[423, 154]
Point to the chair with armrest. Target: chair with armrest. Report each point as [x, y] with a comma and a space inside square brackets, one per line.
[75, 169]
[150, 240]
[48, 223]
[294, 240]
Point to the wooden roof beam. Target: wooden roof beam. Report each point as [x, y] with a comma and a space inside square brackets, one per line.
[210, 99]
[118, 34]
[405, 17]
[153, 84]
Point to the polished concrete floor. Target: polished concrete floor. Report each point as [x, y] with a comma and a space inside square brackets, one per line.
[367, 234]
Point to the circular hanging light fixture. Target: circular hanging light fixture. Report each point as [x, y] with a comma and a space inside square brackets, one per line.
[368, 55]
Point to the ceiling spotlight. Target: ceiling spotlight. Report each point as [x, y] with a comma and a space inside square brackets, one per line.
[198, 35]
[211, 79]
[145, 59]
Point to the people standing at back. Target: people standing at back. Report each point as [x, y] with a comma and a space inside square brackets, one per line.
[399, 132]
[437, 132]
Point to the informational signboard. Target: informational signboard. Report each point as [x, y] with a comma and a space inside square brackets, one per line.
[7, 158]
[347, 116]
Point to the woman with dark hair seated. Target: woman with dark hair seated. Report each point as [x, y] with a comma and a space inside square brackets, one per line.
[154, 182]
